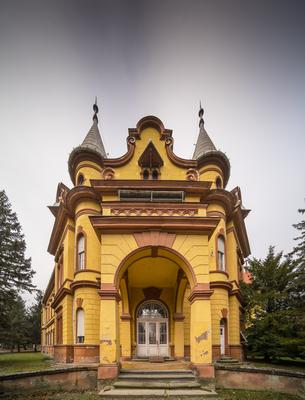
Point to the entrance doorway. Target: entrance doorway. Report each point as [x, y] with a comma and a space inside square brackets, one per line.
[152, 330]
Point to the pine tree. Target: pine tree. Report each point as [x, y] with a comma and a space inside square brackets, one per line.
[35, 319]
[271, 318]
[17, 327]
[15, 269]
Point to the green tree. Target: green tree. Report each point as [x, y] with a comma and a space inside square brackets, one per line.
[34, 318]
[16, 332]
[15, 269]
[270, 316]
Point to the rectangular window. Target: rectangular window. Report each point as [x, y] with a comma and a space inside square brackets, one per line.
[59, 329]
[141, 333]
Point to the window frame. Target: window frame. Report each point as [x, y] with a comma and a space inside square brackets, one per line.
[221, 262]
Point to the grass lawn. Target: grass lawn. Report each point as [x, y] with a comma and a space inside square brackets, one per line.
[16, 362]
[223, 395]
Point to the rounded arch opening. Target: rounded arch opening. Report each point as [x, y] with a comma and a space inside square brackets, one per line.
[163, 252]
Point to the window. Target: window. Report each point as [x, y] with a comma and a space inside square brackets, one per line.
[59, 329]
[80, 326]
[80, 179]
[60, 273]
[218, 183]
[155, 174]
[81, 252]
[145, 174]
[221, 253]
[152, 310]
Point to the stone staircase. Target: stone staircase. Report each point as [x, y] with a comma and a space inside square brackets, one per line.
[227, 360]
[156, 384]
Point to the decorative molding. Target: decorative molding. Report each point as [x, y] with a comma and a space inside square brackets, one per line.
[224, 312]
[108, 174]
[152, 292]
[149, 121]
[203, 226]
[178, 317]
[125, 317]
[86, 211]
[201, 291]
[153, 211]
[86, 165]
[154, 238]
[109, 292]
[221, 285]
[87, 270]
[83, 283]
[60, 295]
[216, 214]
[218, 271]
[192, 174]
[79, 302]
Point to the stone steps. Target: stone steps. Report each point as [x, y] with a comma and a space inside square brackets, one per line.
[156, 384]
[158, 394]
[228, 360]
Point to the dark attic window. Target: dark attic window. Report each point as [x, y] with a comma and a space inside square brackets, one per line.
[218, 183]
[80, 179]
[155, 174]
[146, 174]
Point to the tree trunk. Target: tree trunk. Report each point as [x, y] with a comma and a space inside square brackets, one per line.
[35, 347]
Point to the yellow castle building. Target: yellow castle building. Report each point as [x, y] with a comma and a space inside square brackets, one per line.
[148, 251]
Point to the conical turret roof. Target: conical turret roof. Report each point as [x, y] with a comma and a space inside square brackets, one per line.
[93, 140]
[204, 143]
[92, 146]
[205, 151]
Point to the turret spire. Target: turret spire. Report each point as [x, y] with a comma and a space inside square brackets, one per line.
[92, 144]
[95, 109]
[204, 143]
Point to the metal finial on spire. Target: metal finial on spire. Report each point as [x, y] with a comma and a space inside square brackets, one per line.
[95, 109]
[200, 114]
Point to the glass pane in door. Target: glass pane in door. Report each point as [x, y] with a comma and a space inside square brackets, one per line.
[152, 333]
[163, 333]
[141, 333]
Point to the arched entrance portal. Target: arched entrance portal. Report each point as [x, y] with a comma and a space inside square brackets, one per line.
[152, 330]
[152, 282]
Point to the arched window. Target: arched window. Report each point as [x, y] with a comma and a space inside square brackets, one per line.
[152, 310]
[218, 183]
[221, 253]
[145, 174]
[81, 252]
[155, 174]
[80, 326]
[80, 179]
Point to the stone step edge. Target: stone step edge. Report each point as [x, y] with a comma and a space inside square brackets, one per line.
[163, 377]
[163, 385]
[158, 393]
[156, 371]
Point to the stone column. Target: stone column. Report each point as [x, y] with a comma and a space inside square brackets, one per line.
[179, 336]
[109, 332]
[201, 335]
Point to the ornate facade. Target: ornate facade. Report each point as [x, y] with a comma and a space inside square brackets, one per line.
[148, 251]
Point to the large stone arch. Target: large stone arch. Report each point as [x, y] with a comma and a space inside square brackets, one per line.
[151, 251]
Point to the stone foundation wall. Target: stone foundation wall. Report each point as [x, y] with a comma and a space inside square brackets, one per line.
[76, 378]
[290, 382]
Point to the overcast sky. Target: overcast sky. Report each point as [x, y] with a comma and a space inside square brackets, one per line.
[244, 59]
